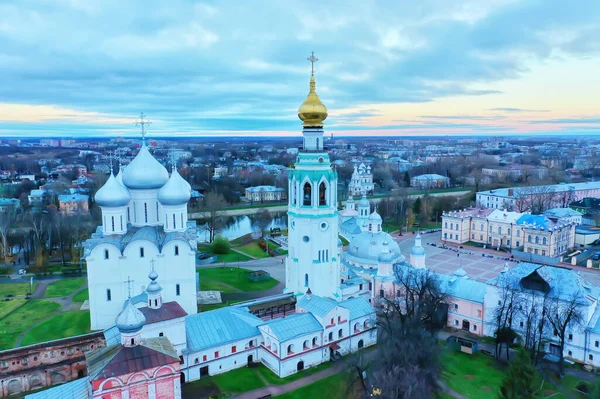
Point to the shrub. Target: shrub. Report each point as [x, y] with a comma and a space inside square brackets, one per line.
[262, 244]
[220, 245]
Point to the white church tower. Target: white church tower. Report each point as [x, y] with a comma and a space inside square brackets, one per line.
[417, 254]
[313, 259]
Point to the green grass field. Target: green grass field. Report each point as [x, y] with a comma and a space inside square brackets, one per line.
[62, 325]
[15, 289]
[22, 318]
[236, 381]
[333, 387]
[273, 379]
[7, 307]
[64, 287]
[213, 285]
[81, 296]
[474, 376]
[253, 249]
[233, 277]
[230, 257]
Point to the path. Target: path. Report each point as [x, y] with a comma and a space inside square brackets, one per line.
[66, 304]
[234, 249]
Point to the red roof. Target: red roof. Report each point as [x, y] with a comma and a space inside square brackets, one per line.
[168, 311]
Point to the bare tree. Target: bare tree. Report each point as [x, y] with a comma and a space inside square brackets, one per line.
[504, 314]
[532, 311]
[213, 212]
[262, 219]
[564, 316]
[7, 219]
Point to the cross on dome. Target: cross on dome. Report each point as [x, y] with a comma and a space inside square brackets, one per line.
[129, 281]
[312, 60]
[142, 124]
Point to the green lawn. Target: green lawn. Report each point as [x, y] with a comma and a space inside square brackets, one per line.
[24, 317]
[333, 387]
[253, 249]
[474, 376]
[64, 287]
[212, 285]
[234, 277]
[7, 307]
[236, 381]
[273, 379]
[232, 256]
[62, 325]
[15, 289]
[81, 296]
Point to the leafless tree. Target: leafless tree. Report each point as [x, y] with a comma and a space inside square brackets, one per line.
[262, 219]
[7, 219]
[563, 317]
[504, 314]
[532, 312]
[213, 212]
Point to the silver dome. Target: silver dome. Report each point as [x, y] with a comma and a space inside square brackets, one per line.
[364, 202]
[112, 194]
[417, 249]
[130, 320]
[145, 172]
[153, 287]
[367, 246]
[176, 191]
[376, 217]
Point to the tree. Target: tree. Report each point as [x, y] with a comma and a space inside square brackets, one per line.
[504, 314]
[59, 224]
[220, 245]
[7, 218]
[406, 179]
[262, 219]
[417, 206]
[213, 215]
[532, 311]
[519, 380]
[563, 315]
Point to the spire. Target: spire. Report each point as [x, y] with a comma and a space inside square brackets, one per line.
[154, 289]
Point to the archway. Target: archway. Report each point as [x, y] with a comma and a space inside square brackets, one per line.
[80, 373]
[466, 325]
[322, 194]
[300, 366]
[182, 378]
[307, 194]
[14, 386]
[250, 359]
[360, 344]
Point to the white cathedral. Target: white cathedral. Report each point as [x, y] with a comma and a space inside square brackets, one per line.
[141, 262]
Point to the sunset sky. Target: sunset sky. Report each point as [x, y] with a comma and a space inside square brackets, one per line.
[439, 67]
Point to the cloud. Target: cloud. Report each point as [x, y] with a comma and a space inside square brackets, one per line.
[518, 110]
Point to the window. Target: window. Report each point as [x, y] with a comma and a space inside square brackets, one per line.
[307, 194]
[456, 322]
[597, 344]
[181, 214]
[499, 229]
[174, 222]
[529, 238]
[570, 337]
[451, 226]
[591, 357]
[478, 312]
[322, 194]
[176, 250]
[544, 240]
[145, 212]
[340, 333]
[331, 322]
[331, 336]
[456, 306]
[518, 233]
[518, 243]
[306, 280]
[521, 324]
[112, 221]
[481, 227]
[381, 293]
[121, 222]
[106, 254]
[508, 242]
[474, 327]
[196, 361]
[233, 349]
[108, 295]
[508, 231]
[161, 334]
[204, 358]
[537, 239]
[132, 341]
[339, 319]
[141, 252]
[177, 290]
[570, 353]
[216, 354]
[445, 225]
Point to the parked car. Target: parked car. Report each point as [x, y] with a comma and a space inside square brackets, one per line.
[22, 271]
[596, 256]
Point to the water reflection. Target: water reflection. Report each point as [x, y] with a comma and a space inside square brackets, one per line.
[237, 226]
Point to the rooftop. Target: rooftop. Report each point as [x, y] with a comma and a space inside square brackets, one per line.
[293, 326]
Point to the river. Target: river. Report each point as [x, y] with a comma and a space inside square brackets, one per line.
[237, 226]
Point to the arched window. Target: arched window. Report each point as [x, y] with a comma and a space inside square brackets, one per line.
[294, 199]
[481, 227]
[537, 239]
[529, 238]
[446, 225]
[145, 212]
[290, 349]
[508, 231]
[544, 240]
[174, 222]
[314, 341]
[518, 233]
[499, 229]
[322, 194]
[317, 143]
[306, 345]
[451, 226]
[106, 254]
[306, 280]
[340, 333]
[307, 194]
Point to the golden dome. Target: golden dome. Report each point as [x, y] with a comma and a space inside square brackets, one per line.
[312, 111]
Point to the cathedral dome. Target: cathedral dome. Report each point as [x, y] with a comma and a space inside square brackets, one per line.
[375, 217]
[112, 194]
[367, 247]
[176, 191]
[417, 249]
[119, 176]
[153, 287]
[312, 111]
[130, 320]
[364, 202]
[145, 172]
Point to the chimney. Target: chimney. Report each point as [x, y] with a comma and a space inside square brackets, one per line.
[308, 294]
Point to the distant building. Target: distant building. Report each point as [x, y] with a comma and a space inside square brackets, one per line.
[219, 172]
[430, 181]
[590, 208]
[361, 182]
[7, 204]
[515, 172]
[37, 198]
[265, 193]
[566, 214]
[72, 204]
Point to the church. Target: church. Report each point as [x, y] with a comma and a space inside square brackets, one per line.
[143, 284]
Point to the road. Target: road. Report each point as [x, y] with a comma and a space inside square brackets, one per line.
[283, 208]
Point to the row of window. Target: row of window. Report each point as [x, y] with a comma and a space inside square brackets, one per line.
[307, 198]
[217, 354]
[109, 293]
[175, 252]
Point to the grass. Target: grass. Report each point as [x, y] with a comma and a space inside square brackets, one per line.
[232, 256]
[22, 318]
[64, 287]
[474, 376]
[253, 249]
[273, 379]
[15, 289]
[236, 381]
[81, 296]
[7, 307]
[233, 277]
[332, 387]
[212, 285]
[62, 325]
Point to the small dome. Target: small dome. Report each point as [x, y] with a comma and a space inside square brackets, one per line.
[312, 111]
[364, 202]
[112, 194]
[153, 287]
[418, 251]
[375, 217]
[130, 320]
[176, 191]
[366, 247]
[460, 272]
[145, 172]
[119, 176]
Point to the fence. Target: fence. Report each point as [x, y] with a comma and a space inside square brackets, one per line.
[536, 258]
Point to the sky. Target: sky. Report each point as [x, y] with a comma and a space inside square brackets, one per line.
[239, 68]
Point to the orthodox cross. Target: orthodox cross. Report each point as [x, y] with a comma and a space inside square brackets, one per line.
[312, 60]
[143, 124]
[152, 262]
[129, 288]
[111, 156]
[172, 158]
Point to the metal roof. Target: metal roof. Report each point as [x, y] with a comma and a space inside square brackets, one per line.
[462, 288]
[219, 326]
[78, 389]
[294, 326]
[168, 311]
[317, 305]
[358, 307]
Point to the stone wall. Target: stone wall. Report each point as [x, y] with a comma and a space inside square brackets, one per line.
[49, 363]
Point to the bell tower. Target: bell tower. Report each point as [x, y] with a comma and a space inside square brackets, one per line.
[313, 259]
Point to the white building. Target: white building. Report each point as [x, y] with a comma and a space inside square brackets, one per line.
[265, 193]
[361, 182]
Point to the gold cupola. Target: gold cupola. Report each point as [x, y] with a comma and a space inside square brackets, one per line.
[312, 112]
